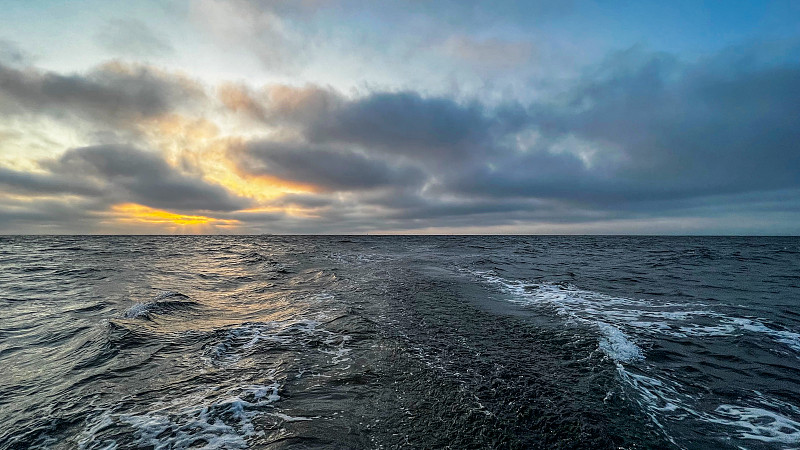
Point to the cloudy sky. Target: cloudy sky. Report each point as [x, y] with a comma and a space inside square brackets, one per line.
[417, 116]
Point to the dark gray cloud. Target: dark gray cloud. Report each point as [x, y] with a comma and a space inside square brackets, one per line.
[112, 93]
[110, 174]
[765, 213]
[639, 127]
[50, 215]
[407, 124]
[137, 176]
[331, 169]
[412, 205]
[716, 126]
[131, 37]
[309, 201]
[46, 183]
[640, 136]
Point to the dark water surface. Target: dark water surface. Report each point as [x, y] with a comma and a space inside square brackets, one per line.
[387, 342]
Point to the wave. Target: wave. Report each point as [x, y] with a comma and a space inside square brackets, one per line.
[788, 338]
[610, 315]
[191, 422]
[623, 324]
[570, 302]
[240, 341]
[254, 257]
[759, 418]
[163, 303]
[757, 423]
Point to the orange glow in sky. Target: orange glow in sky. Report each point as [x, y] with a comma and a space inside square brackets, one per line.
[199, 143]
[132, 212]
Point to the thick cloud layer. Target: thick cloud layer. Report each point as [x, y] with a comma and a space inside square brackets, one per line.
[119, 174]
[406, 124]
[641, 137]
[641, 134]
[114, 93]
[325, 167]
[719, 126]
[46, 184]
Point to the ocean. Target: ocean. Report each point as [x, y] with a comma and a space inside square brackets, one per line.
[172, 342]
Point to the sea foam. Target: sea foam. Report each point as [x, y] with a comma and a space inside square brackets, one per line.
[579, 306]
[760, 418]
[191, 422]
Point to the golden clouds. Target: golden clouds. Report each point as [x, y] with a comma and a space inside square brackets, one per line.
[126, 139]
[182, 139]
[198, 145]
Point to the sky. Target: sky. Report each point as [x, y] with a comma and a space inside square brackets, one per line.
[395, 117]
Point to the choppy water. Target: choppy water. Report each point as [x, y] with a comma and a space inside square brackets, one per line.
[385, 342]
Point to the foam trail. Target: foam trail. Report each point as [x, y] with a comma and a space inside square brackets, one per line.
[225, 423]
[617, 345]
[762, 419]
[760, 424]
[571, 303]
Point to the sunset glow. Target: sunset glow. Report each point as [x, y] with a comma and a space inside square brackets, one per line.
[387, 117]
[422, 224]
[133, 213]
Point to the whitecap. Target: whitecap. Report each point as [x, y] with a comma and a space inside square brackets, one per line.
[238, 342]
[579, 306]
[287, 418]
[137, 310]
[636, 315]
[788, 338]
[758, 424]
[194, 422]
[617, 345]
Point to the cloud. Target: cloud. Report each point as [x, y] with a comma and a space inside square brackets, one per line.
[720, 125]
[52, 214]
[406, 124]
[323, 167]
[131, 37]
[638, 127]
[112, 93]
[11, 54]
[111, 174]
[132, 175]
[239, 98]
[45, 184]
[279, 103]
[261, 28]
[306, 201]
[640, 136]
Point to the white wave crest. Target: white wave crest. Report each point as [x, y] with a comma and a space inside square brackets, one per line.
[578, 306]
[192, 422]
